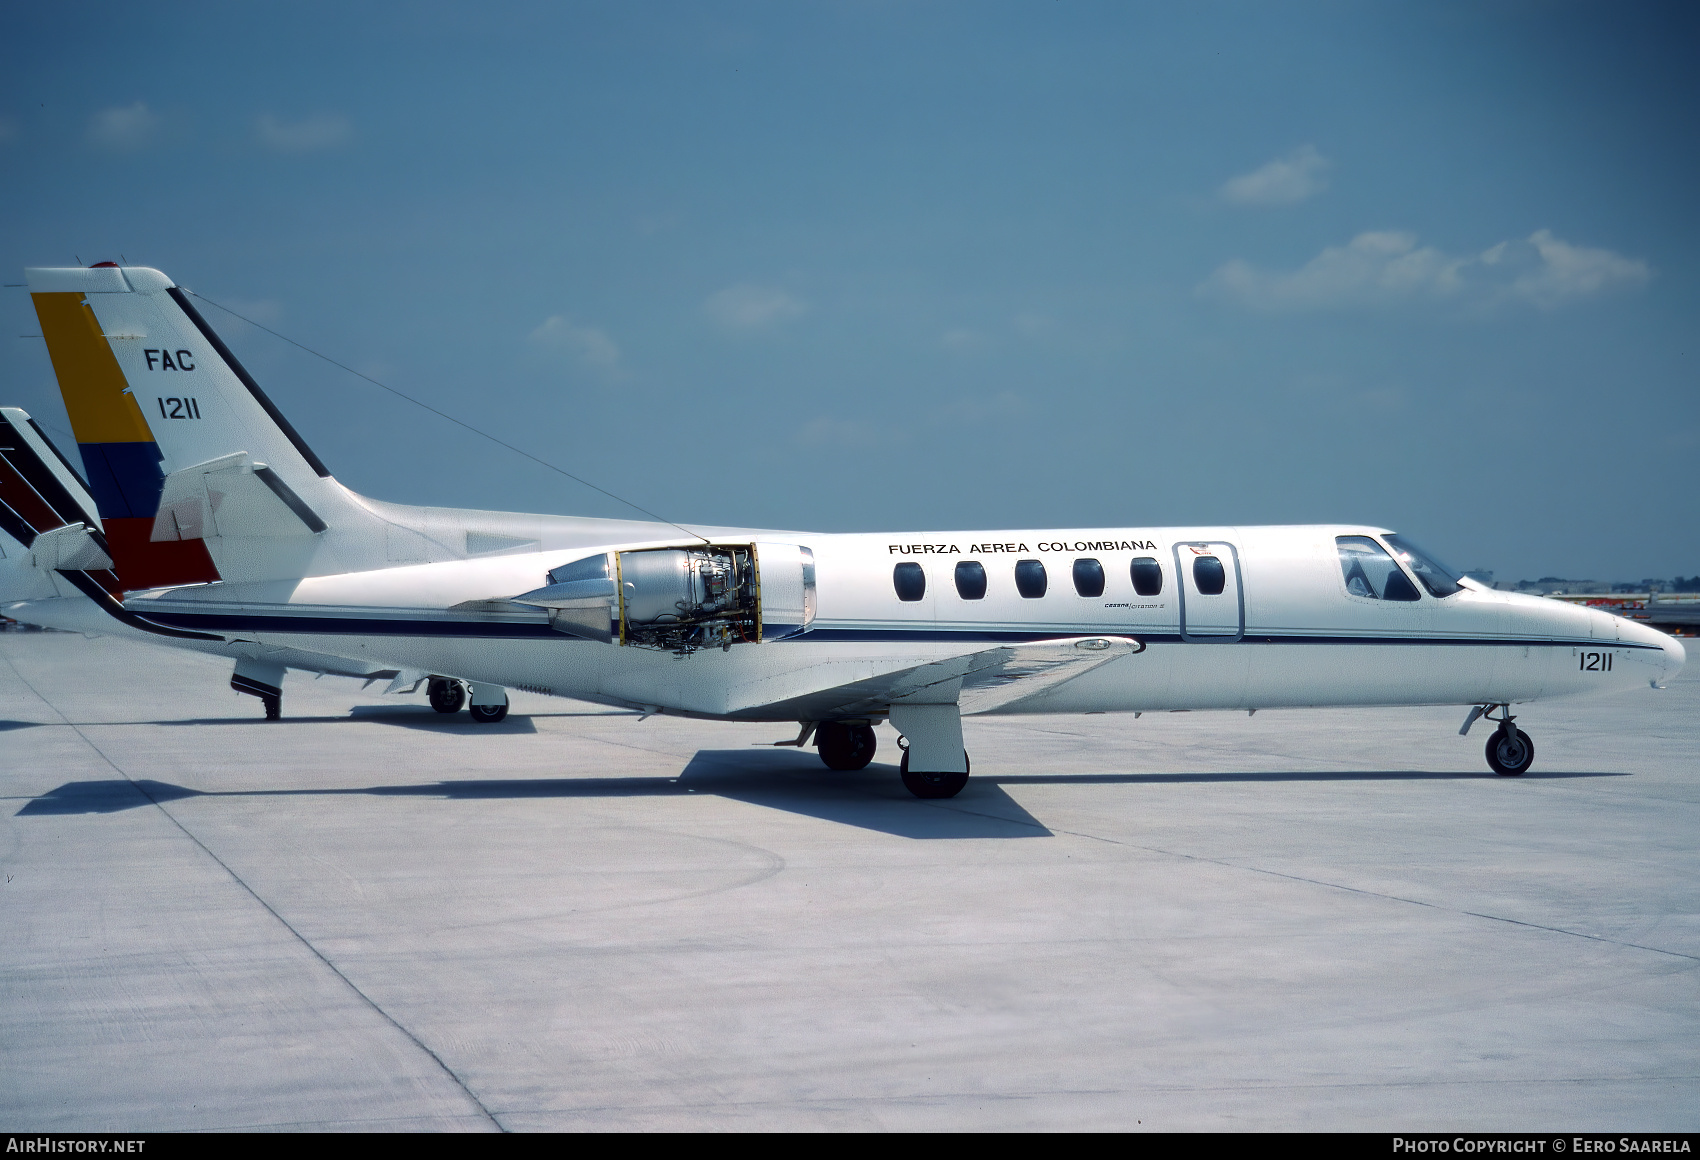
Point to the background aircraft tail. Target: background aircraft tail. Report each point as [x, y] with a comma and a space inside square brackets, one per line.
[47, 509]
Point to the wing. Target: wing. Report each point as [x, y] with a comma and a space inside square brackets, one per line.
[981, 682]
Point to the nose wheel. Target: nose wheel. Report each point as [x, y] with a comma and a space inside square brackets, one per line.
[1509, 750]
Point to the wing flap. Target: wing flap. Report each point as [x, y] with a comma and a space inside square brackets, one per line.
[981, 681]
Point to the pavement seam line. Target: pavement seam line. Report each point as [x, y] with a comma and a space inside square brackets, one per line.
[1321, 882]
[1378, 894]
[269, 909]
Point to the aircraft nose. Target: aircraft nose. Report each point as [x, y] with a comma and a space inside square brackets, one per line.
[1675, 655]
[1672, 655]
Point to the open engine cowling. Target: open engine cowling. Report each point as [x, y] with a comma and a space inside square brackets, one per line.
[683, 598]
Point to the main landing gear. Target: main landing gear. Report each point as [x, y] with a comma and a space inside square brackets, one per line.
[933, 785]
[489, 702]
[932, 749]
[931, 738]
[263, 680]
[846, 745]
[1509, 750]
[447, 696]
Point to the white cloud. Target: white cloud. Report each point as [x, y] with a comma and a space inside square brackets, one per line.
[747, 307]
[125, 129]
[590, 344]
[322, 131]
[1300, 174]
[1559, 272]
[1387, 266]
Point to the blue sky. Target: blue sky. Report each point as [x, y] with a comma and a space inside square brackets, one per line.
[859, 266]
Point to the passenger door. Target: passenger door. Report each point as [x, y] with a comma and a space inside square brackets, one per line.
[1212, 599]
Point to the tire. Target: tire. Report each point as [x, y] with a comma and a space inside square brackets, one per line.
[489, 714]
[446, 696]
[845, 747]
[1509, 757]
[933, 785]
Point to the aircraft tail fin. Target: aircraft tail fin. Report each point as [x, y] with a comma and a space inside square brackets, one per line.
[180, 444]
[122, 459]
[45, 507]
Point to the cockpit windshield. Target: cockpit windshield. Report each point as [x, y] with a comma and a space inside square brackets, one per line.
[1436, 577]
[1370, 572]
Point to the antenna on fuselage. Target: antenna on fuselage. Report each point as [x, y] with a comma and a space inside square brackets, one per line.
[445, 415]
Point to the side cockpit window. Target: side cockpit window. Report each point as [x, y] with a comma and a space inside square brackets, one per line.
[1370, 572]
[1439, 580]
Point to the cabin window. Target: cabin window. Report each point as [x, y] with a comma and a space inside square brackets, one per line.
[1370, 572]
[971, 580]
[1439, 580]
[1030, 578]
[1147, 576]
[909, 580]
[1089, 577]
[1209, 575]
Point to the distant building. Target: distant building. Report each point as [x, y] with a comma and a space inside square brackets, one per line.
[1557, 585]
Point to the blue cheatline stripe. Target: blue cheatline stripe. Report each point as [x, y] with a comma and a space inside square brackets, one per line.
[124, 478]
[401, 626]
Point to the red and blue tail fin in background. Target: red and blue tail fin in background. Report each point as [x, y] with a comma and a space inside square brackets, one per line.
[42, 501]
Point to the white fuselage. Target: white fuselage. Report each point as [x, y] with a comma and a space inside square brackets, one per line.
[1285, 631]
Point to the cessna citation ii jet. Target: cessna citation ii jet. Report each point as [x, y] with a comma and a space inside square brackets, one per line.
[206, 523]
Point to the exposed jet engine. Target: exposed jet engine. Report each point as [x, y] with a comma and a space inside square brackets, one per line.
[682, 598]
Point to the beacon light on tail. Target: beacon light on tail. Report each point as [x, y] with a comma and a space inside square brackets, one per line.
[207, 523]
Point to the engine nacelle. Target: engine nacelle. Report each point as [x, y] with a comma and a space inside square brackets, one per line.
[683, 598]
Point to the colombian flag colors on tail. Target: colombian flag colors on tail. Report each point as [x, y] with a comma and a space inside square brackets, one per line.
[120, 456]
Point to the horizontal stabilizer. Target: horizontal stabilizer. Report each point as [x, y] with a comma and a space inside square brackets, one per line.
[72, 547]
[231, 496]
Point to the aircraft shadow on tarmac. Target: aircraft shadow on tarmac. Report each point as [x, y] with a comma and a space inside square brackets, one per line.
[871, 799]
[406, 716]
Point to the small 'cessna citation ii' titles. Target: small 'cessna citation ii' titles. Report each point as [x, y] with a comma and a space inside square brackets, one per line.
[207, 523]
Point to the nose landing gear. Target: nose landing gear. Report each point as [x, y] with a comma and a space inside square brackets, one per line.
[1509, 750]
